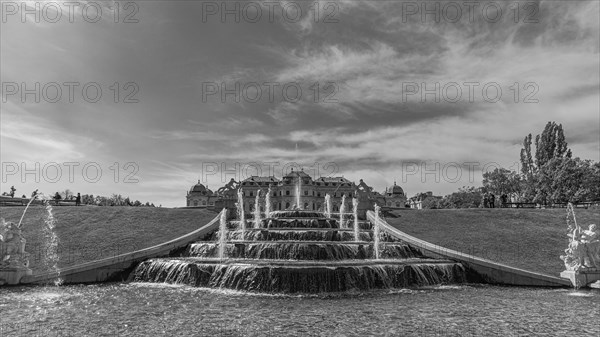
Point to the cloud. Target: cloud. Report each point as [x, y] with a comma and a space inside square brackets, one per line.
[369, 130]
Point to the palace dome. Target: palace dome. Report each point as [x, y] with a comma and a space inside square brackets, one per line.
[199, 188]
[395, 189]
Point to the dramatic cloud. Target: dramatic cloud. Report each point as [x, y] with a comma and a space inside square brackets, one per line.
[174, 107]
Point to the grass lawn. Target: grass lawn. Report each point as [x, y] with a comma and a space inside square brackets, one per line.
[531, 239]
[88, 233]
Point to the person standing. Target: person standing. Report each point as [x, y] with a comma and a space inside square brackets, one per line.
[492, 200]
[78, 199]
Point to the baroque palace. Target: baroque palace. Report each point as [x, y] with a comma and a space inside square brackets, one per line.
[283, 193]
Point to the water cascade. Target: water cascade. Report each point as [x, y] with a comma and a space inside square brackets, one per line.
[342, 211]
[327, 205]
[300, 251]
[355, 214]
[376, 233]
[222, 234]
[268, 203]
[257, 219]
[240, 212]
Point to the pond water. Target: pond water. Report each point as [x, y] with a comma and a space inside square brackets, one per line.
[146, 309]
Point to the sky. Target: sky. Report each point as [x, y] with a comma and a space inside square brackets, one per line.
[334, 87]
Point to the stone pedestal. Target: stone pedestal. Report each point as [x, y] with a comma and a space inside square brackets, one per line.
[581, 278]
[12, 276]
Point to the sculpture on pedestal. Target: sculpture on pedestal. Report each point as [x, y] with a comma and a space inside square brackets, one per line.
[582, 257]
[584, 249]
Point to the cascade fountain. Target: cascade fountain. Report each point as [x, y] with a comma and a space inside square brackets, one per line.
[355, 214]
[376, 233]
[327, 205]
[300, 251]
[268, 203]
[342, 211]
[257, 219]
[240, 212]
[222, 233]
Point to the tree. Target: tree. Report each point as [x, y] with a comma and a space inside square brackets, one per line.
[465, 197]
[501, 181]
[550, 144]
[67, 194]
[430, 202]
[566, 179]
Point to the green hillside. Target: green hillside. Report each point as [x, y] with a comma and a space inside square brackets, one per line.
[89, 233]
[531, 239]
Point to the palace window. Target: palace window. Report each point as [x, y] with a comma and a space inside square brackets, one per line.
[287, 192]
[251, 193]
[305, 192]
[195, 202]
[203, 202]
[287, 205]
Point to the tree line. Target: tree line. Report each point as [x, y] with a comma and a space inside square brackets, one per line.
[88, 199]
[548, 175]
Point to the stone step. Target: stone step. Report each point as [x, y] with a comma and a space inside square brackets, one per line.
[299, 277]
[301, 263]
[301, 250]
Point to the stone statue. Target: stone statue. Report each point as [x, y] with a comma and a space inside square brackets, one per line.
[231, 186]
[12, 246]
[583, 252]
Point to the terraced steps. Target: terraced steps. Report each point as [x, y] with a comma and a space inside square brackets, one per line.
[299, 251]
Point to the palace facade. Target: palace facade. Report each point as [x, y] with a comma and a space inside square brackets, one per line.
[284, 193]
